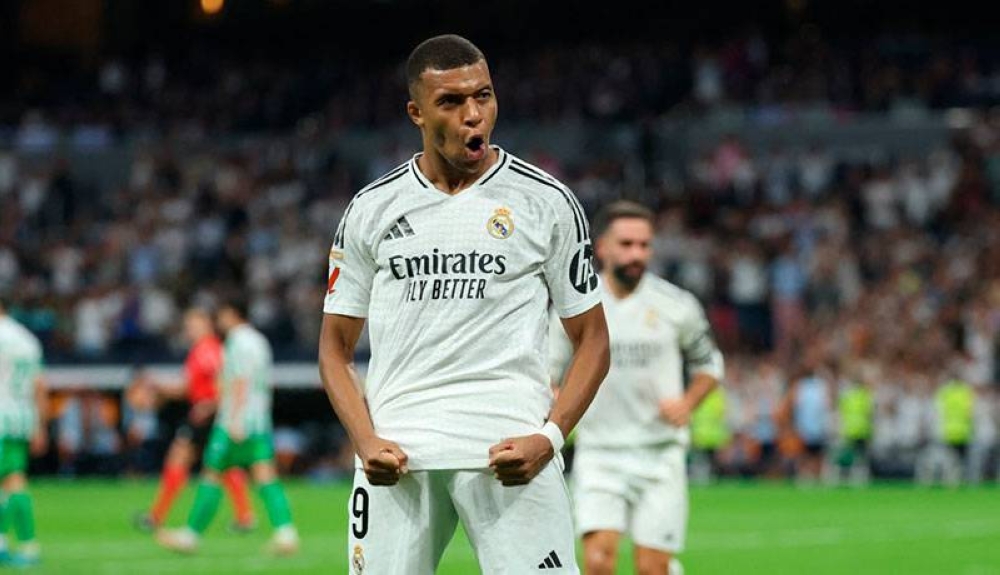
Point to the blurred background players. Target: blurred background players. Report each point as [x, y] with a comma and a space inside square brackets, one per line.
[630, 473]
[22, 400]
[856, 414]
[201, 371]
[241, 437]
[806, 415]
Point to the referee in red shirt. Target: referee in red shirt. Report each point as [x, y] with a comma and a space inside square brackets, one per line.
[201, 368]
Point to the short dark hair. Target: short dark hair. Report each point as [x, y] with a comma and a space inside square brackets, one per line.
[621, 209]
[238, 303]
[440, 53]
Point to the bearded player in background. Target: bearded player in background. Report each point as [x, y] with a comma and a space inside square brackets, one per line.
[629, 472]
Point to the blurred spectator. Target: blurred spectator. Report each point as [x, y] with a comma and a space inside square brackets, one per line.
[141, 427]
[88, 440]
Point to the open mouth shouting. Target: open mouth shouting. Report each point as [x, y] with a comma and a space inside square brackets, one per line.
[475, 148]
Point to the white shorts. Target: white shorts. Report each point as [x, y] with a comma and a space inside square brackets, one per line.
[404, 529]
[640, 491]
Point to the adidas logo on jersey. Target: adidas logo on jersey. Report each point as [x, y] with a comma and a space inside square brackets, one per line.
[400, 229]
[551, 562]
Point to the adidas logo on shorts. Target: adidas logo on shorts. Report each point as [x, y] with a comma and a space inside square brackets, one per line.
[399, 229]
[551, 562]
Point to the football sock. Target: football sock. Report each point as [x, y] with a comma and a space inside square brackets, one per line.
[276, 504]
[172, 480]
[206, 504]
[3, 514]
[22, 515]
[235, 481]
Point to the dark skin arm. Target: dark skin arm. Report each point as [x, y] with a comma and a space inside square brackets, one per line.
[383, 461]
[517, 460]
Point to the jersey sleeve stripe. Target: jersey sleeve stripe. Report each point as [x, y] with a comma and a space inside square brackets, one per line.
[391, 172]
[338, 238]
[576, 216]
[575, 202]
[385, 181]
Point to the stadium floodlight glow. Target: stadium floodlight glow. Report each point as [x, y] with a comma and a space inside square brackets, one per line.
[212, 7]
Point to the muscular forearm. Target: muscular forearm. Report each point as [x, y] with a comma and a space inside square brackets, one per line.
[587, 369]
[701, 385]
[343, 388]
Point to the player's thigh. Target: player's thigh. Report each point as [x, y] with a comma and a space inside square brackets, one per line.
[258, 448]
[600, 492]
[401, 529]
[517, 530]
[13, 462]
[659, 518]
[220, 451]
[258, 454]
[181, 451]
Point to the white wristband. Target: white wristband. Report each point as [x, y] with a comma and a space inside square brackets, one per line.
[552, 431]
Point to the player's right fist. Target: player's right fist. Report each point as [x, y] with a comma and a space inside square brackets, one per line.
[384, 462]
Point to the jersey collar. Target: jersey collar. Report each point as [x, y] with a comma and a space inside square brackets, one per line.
[503, 158]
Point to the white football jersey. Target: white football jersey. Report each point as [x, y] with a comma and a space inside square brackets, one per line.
[20, 364]
[657, 333]
[456, 290]
[246, 355]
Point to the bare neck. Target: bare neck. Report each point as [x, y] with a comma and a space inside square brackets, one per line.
[446, 177]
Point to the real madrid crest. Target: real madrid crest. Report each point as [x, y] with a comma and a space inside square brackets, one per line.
[652, 318]
[358, 560]
[500, 225]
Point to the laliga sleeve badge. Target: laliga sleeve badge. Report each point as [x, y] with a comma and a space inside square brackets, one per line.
[500, 225]
[358, 560]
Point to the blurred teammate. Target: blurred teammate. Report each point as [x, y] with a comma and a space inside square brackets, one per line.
[240, 437]
[201, 370]
[454, 257]
[629, 470]
[22, 427]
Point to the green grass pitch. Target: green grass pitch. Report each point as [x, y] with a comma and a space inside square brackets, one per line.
[747, 529]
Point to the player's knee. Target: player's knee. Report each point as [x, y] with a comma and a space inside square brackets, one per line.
[263, 472]
[14, 482]
[180, 454]
[653, 564]
[211, 475]
[599, 560]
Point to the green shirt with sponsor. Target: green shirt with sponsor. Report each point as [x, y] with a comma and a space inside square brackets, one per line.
[20, 365]
[247, 357]
[857, 410]
[955, 401]
[708, 422]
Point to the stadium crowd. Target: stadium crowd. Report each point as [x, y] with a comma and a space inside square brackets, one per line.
[204, 92]
[813, 267]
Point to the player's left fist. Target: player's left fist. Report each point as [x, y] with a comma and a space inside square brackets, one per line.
[517, 460]
[676, 411]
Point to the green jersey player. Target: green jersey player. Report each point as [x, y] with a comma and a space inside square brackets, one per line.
[21, 430]
[241, 437]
